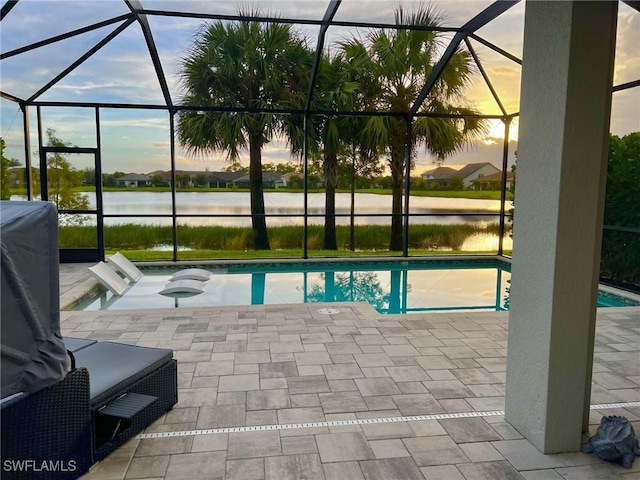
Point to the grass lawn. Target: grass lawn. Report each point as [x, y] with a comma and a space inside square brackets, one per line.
[157, 255]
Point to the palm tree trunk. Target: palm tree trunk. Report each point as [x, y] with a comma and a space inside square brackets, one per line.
[258, 221]
[331, 179]
[397, 174]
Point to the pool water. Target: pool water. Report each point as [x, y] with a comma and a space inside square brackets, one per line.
[390, 287]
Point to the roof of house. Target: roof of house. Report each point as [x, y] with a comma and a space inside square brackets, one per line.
[441, 173]
[270, 177]
[132, 177]
[494, 177]
[470, 168]
[226, 176]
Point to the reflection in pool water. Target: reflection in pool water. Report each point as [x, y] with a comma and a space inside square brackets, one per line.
[390, 286]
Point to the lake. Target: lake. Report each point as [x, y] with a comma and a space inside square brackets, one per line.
[289, 207]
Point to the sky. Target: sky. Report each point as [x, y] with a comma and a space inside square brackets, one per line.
[138, 140]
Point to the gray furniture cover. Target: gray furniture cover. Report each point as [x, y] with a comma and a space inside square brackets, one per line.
[32, 351]
[113, 367]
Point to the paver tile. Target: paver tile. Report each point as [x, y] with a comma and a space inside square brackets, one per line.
[373, 359]
[213, 368]
[342, 471]
[342, 402]
[391, 468]
[268, 399]
[471, 376]
[417, 404]
[312, 358]
[245, 469]
[343, 447]
[407, 374]
[447, 389]
[145, 467]
[524, 456]
[469, 430]
[253, 444]
[261, 417]
[299, 445]
[293, 467]
[392, 448]
[384, 431]
[163, 446]
[442, 472]
[309, 384]
[221, 416]
[304, 400]
[405, 350]
[197, 465]
[237, 383]
[300, 415]
[480, 452]
[489, 470]
[377, 386]
[380, 403]
[342, 371]
[210, 443]
[428, 451]
[592, 472]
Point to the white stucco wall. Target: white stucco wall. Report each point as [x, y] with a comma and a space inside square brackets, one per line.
[564, 122]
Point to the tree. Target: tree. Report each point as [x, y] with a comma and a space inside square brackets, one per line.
[350, 287]
[183, 179]
[401, 61]
[236, 167]
[333, 132]
[247, 65]
[89, 176]
[295, 182]
[158, 181]
[456, 183]
[620, 248]
[418, 183]
[62, 178]
[201, 180]
[5, 174]
[109, 179]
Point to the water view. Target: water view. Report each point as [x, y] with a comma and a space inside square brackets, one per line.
[389, 287]
[291, 205]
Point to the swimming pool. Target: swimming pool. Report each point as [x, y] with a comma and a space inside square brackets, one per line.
[390, 286]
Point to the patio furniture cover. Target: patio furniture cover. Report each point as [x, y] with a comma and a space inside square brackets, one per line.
[33, 354]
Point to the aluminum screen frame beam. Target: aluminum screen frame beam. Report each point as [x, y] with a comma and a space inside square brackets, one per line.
[135, 6]
[6, 8]
[326, 21]
[487, 15]
[82, 59]
[64, 36]
[297, 21]
[484, 75]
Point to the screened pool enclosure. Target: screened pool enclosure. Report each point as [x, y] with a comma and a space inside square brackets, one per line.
[128, 116]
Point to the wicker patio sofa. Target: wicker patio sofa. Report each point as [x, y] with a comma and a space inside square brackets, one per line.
[65, 403]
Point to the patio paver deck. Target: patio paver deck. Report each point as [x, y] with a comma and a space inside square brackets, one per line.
[276, 364]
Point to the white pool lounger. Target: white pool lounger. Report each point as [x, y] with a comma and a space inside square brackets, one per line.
[108, 277]
[124, 266]
[183, 286]
[191, 274]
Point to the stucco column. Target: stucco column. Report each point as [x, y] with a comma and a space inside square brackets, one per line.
[563, 137]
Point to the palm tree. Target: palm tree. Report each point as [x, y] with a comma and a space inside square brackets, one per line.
[400, 61]
[334, 93]
[248, 66]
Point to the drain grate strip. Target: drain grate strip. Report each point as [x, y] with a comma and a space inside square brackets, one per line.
[357, 421]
